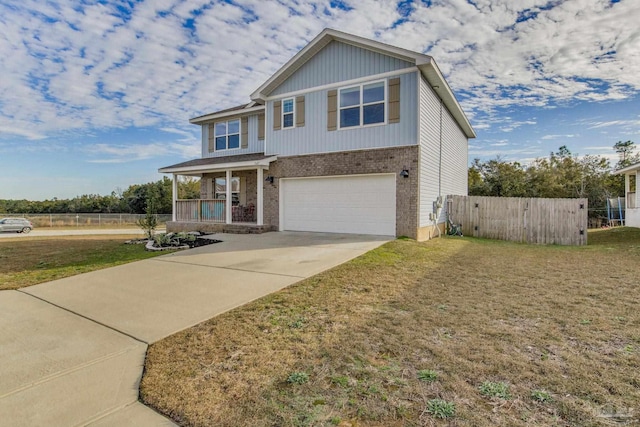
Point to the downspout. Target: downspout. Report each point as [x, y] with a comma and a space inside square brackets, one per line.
[440, 154]
[438, 202]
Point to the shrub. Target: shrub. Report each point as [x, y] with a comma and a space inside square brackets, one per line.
[441, 408]
[491, 389]
[298, 378]
[541, 396]
[149, 222]
[427, 375]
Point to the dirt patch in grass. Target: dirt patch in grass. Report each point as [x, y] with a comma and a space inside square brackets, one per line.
[554, 329]
[26, 261]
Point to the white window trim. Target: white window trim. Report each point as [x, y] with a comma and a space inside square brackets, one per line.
[293, 101]
[362, 104]
[226, 124]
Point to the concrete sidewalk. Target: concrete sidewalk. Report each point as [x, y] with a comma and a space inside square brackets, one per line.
[89, 332]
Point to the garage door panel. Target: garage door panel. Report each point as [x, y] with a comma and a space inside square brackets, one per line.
[352, 204]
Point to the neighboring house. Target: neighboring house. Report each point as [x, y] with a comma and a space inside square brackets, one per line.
[632, 200]
[350, 136]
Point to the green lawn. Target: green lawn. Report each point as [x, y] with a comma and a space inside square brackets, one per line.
[29, 260]
[454, 331]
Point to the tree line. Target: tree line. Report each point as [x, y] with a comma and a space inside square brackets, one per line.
[134, 200]
[560, 175]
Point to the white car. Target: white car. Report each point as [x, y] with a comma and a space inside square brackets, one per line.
[18, 225]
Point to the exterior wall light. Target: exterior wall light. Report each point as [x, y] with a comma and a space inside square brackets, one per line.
[404, 173]
[269, 179]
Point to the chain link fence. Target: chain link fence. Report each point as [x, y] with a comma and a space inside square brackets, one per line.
[102, 220]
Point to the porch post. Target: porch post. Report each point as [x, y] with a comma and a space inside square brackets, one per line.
[260, 210]
[228, 198]
[174, 197]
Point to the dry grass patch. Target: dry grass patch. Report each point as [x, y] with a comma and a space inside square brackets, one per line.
[26, 261]
[411, 333]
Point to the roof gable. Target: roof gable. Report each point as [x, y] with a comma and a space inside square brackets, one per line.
[323, 39]
[337, 62]
[425, 64]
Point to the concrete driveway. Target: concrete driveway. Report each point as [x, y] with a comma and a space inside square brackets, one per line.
[73, 349]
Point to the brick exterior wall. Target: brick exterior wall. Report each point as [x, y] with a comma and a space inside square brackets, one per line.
[385, 160]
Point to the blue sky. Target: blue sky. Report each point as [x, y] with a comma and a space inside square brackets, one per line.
[96, 95]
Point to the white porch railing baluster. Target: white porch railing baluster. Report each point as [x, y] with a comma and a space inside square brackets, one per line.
[201, 210]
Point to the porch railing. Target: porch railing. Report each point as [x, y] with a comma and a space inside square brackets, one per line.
[631, 200]
[202, 210]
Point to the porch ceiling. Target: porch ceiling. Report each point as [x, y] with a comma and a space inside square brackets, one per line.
[219, 164]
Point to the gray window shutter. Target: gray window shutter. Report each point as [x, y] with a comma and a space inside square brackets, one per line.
[394, 100]
[332, 109]
[300, 111]
[261, 128]
[244, 132]
[277, 115]
[212, 139]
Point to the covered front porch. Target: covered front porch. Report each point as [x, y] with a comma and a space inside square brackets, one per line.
[231, 194]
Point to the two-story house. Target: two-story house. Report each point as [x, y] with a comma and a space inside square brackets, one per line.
[350, 136]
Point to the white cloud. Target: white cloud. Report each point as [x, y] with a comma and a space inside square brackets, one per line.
[116, 153]
[512, 125]
[29, 134]
[85, 67]
[617, 123]
[549, 137]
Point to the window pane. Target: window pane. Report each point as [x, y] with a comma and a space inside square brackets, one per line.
[287, 106]
[235, 184]
[373, 114]
[234, 141]
[221, 129]
[234, 126]
[221, 142]
[350, 96]
[221, 187]
[287, 120]
[350, 117]
[373, 92]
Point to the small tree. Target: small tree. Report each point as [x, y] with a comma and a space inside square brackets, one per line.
[149, 222]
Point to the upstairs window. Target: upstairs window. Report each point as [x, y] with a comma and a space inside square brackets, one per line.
[227, 135]
[362, 105]
[288, 112]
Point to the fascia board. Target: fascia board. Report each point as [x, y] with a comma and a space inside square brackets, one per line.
[435, 78]
[221, 166]
[238, 113]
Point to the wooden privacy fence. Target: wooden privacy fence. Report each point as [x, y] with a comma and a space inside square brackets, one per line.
[527, 220]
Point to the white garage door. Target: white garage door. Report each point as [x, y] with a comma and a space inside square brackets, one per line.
[359, 204]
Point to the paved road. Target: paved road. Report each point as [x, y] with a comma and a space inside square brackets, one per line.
[72, 350]
[40, 232]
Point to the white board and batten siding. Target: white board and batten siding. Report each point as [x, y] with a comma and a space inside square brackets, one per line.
[339, 62]
[445, 173]
[254, 144]
[354, 204]
[314, 138]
